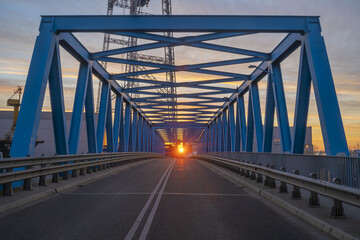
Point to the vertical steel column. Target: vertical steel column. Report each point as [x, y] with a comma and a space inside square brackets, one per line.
[24, 140]
[206, 140]
[224, 131]
[79, 103]
[105, 91]
[257, 116]
[328, 107]
[215, 136]
[134, 130]
[127, 126]
[57, 104]
[90, 115]
[250, 126]
[302, 104]
[109, 127]
[219, 141]
[212, 138]
[242, 121]
[152, 139]
[139, 147]
[231, 127]
[117, 121]
[281, 110]
[269, 116]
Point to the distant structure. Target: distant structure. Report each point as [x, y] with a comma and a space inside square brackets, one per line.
[135, 8]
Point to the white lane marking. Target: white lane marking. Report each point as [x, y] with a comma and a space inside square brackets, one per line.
[164, 193]
[153, 210]
[209, 194]
[138, 220]
[114, 193]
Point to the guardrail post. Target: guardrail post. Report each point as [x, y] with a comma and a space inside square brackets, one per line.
[267, 178]
[259, 178]
[82, 171]
[42, 179]
[272, 183]
[296, 194]
[27, 183]
[314, 199]
[283, 187]
[337, 211]
[247, 172]
[55, 178]
[74, 173]
[242, 171]
[66, 174]
[253, 176]
[7, 187]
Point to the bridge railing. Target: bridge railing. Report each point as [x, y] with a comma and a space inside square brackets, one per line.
[326, 167]
[29, 168]
[337, 192]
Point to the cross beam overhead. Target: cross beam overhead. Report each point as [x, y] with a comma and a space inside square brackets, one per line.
[212, 100]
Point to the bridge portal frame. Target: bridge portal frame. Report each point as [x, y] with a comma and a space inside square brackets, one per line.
[303, 31]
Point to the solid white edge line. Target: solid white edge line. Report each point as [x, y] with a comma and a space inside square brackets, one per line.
[138, 220]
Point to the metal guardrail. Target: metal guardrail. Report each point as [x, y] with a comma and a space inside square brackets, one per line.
[315, 186]
[17, 169]
[326, 167]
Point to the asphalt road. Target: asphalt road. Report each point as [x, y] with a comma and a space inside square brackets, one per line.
[163, 199]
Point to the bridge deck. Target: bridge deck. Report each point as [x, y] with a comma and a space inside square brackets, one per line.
[189, 201]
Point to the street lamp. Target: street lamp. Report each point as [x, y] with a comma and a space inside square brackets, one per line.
[256, 67]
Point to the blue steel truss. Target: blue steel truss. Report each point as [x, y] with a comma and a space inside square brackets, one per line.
[137, 121]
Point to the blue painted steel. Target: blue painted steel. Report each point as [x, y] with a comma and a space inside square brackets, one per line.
[182, 23]
[152, 139]
[231, 128]
[250, 125]
[221, 127]
[79, 103]
[281, 110]
[302, 104]
[109, 126]
[241, 116]
[127, 120]
[57, 105]
[134, 126]
[139, 144]
[100, 131]
[25, 135]
[117, 121]
[257, 116]
[90, 116]
[269, 116]
[328, 107]
[219, 134]
[225, 130]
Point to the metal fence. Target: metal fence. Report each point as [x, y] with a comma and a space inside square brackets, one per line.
[26, 169]
[326, 167]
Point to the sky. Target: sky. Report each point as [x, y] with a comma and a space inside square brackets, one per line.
[19, 22]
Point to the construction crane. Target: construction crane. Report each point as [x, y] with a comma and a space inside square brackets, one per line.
[135, 8]
[13, 101]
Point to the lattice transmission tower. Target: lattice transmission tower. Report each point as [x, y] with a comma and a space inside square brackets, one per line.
[135, 8]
